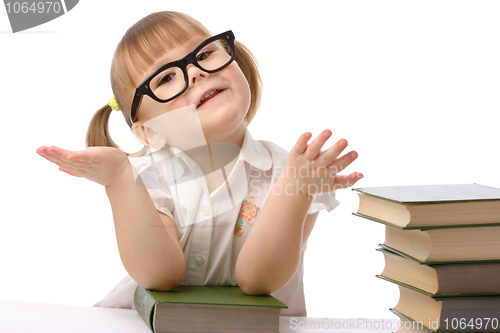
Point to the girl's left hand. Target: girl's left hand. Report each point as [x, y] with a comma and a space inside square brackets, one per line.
[314, 171]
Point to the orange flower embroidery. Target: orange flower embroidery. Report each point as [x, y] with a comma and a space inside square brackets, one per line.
[238, 230]
[248, 214]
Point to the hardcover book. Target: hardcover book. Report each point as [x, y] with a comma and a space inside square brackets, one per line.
[207, 309]
[446, 245]
[449, 279]
[449, 314]
[430, 206]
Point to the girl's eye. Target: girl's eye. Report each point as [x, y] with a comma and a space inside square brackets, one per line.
[203, 55]
[166, 78]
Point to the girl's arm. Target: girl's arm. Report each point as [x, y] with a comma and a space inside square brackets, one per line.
[271, 253]
[147, 240]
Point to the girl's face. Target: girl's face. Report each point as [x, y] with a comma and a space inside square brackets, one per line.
[222, 114]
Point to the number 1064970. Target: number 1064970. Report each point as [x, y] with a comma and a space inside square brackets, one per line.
[33, 7]
[472, 324]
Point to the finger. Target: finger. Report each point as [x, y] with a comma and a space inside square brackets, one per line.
[55, 159]
[42, 150]
[314, 148]
[70, 172]
[342, 181]
[328, 156]
[64, 157]
[58, 152]
[52, 159]
[59, 162]
[82, 155]
[301, 144]
[343, 162]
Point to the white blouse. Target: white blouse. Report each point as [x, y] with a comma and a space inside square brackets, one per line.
[212, 227]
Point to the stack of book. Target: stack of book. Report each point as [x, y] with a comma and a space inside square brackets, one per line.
[442, 249]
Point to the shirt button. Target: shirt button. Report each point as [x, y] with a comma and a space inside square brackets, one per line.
[198, 260]
[206, 210]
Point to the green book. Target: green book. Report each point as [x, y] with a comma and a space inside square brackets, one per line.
[207, 309]
[431, 206]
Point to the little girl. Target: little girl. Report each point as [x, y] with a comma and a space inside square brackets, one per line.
[197, 211]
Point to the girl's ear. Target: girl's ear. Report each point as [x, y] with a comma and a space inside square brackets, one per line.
[149, 136]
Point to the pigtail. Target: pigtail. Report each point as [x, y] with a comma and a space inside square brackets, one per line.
[98, 132]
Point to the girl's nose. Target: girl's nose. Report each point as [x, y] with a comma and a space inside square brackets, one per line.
[195, 74]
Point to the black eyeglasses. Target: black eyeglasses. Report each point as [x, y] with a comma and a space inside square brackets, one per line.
[171, 80]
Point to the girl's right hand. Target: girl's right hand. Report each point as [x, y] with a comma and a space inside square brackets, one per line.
[102, 165]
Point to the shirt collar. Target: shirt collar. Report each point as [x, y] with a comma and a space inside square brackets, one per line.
[255, 153]
[252, 151]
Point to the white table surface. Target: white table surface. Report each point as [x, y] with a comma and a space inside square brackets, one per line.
[18, 316]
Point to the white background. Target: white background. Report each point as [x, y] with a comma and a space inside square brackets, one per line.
[413, 86]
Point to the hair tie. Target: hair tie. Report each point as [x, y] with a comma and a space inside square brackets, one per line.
[114, 104]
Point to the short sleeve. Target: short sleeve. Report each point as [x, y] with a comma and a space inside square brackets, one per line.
[324, 200]
[158, 190]
[163, 201]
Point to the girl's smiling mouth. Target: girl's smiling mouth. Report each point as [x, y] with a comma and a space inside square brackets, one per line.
[208, 96]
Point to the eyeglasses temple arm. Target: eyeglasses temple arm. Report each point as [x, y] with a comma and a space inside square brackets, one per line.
[135, 104]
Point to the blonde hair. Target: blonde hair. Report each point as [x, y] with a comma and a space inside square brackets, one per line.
[140, 47]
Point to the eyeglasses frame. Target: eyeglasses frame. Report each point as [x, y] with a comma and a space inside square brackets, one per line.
[144, 87]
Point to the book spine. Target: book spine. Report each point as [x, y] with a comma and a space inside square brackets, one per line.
[144, 304]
